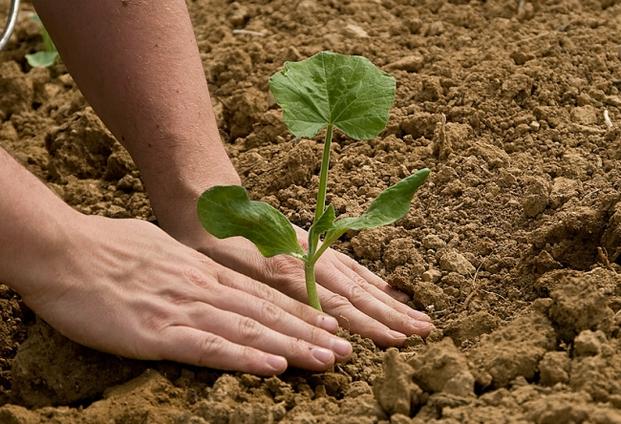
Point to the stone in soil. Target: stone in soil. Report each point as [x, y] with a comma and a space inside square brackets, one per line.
[453, 261]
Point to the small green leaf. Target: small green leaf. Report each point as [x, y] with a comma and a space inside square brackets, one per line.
[348, 92]
[47, 57]
[391, 205]
[42, 59]
[325, 222]
[227, 211]
[48, 43]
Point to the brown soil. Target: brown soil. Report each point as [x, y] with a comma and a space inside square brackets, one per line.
[513, 245]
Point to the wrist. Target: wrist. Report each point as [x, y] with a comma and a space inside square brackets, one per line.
[39, 248]
[174, 203]
[177, 170]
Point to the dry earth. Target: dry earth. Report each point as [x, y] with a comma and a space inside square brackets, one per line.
[513, 245]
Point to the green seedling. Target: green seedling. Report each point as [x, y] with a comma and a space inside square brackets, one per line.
[331, 91]
[46, 57]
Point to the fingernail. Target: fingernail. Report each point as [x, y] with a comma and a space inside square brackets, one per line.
[397, 336]
[277, 363]
[324, 356]
[398, 294]
[342, 348]
[328, 323]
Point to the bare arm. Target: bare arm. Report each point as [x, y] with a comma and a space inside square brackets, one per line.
[138, 65]
[31, 226]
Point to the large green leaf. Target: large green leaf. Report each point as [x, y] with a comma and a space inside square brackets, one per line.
[391, 205]
[348, 92]
[227, 211]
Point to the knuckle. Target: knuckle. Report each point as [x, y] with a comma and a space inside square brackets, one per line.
[337, 302]
[359, 280]
[249, 330]
[195, 277]
[395, 318]
[356, 294]
[210, 346]
[284, 266]
[270, 314]
[304, 311]
[316, 335]
[296, 348]
[266, 293]
[154, 322]
[175, 296]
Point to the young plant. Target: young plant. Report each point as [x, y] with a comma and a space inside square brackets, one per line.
[46, 57]
[331, 91]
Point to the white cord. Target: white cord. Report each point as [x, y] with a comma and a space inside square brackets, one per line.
[10, 25]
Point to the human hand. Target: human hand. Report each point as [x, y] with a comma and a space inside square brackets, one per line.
[360, 300]
[126, 287]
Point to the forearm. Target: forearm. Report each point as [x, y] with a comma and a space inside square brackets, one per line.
[138, 65]
[34, 227]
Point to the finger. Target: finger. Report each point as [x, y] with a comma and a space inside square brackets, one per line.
[405, 309]
[246, 331]
[191, 346]
[347, 315]
[349, 284]
[353, 273]
[277, 319]
[372, 277]
[262, 291]
[356, 321]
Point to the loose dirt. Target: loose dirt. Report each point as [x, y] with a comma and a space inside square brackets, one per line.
[513, 246]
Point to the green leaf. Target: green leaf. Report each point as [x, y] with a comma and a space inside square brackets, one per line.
[348, 92]
[227, 211]
[42, 59]
[324, 223]
[48, 43]
[47, 57]
[391, 205]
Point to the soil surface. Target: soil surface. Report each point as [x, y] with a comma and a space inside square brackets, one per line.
[513, 245]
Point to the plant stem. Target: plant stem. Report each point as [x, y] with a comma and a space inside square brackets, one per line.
[311, 286]
[325, 245]
[323, 175]
[309, 264]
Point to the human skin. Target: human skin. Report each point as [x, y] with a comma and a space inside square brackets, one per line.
[139, 67]
[124, 286]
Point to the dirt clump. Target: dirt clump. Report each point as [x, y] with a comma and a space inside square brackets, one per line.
[395, 391]
[581, 301]
[443, 368]
[514, 350]
[51, 370]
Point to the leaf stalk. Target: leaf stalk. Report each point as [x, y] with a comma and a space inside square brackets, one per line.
[323, 175]
[320, 207]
